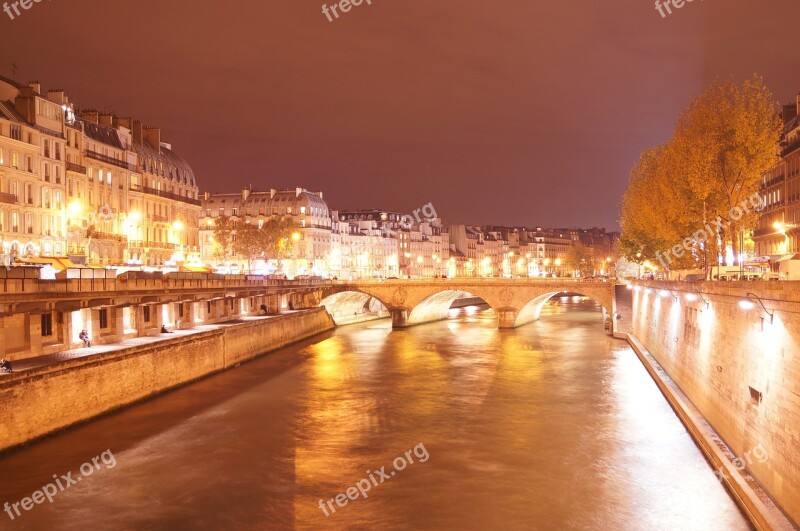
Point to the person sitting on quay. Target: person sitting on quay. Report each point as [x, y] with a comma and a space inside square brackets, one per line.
[165, 330]
[5, 365]
[84, 336]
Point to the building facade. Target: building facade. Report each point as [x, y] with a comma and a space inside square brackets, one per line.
[777, 234]
[100, 189]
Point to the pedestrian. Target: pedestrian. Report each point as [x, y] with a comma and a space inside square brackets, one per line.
[84, 336]
[5, 365]
[164, 329]
[264, 309]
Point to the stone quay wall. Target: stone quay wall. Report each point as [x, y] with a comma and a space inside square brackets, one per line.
[739, 364]
[51, 398]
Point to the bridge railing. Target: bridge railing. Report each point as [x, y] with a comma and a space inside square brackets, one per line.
[26, 280]
[477, 280]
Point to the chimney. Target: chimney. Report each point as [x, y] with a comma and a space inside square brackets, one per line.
[320, 195]
[36, 86]
[272, 192]
[798, 103]
[57, 96]
[106, 120]
[137, 132]
[152, 137]
[90, 116]
[126, 122]
[297, 192]
[245, 194]
[206, 195]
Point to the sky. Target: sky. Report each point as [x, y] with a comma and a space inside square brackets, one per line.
[512, 112]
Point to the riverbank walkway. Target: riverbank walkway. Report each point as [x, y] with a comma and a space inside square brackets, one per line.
[86, 352]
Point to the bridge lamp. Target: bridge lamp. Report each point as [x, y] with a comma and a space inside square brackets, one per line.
[647, 290]
[629, 286]
[752, 301]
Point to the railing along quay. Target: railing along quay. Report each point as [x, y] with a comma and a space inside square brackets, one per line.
[26, 280]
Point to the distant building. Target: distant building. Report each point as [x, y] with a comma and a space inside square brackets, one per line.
[308, 211]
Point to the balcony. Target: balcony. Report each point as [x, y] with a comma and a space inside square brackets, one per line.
[107, 236]
[787, 148]
[77, 168]
[110, 160]
[166, 195]
[9, 199]
[140, 244]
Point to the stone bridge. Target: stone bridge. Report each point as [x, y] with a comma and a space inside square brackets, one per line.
[410, 302]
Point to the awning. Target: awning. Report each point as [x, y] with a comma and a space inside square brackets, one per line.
[198, 269]
[41, 260]
[795, 256]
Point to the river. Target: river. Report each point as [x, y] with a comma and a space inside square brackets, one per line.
[550, 426]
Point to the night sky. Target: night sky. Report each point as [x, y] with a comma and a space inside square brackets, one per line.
[509, 112]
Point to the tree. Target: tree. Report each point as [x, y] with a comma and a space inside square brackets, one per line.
[581, 258]
[728, 138]
[724, 141]
[249, 242]
[278, 237]
[223, 239]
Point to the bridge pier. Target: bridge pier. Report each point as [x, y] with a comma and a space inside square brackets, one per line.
[399, 317]
[506, 318]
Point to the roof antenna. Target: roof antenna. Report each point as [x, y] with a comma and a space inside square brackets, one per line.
[14, 68]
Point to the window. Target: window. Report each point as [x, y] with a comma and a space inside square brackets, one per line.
[180, 310]
[47, 324]
[208, 307]
[15, 160]
[15, 132]
[104, 318]
[146, 314]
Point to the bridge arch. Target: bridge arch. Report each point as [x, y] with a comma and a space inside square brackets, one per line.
[532, 310]
[436, 307]
[347, 307]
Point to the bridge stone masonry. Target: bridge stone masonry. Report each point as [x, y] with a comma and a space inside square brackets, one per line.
[411, 302]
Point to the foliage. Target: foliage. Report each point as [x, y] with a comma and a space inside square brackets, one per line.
[580, 258]
[723, 142]
[248, 241]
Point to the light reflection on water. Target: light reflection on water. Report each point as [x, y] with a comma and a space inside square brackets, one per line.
[550, 426]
